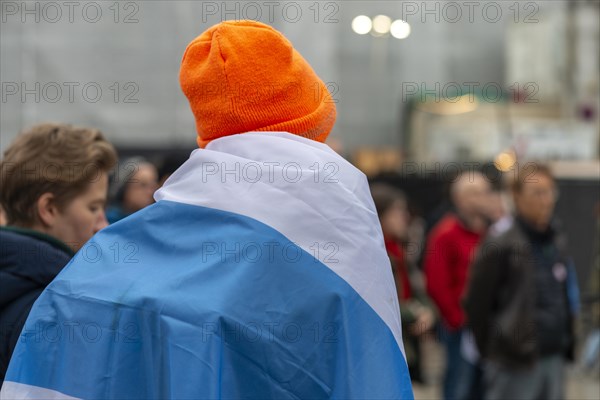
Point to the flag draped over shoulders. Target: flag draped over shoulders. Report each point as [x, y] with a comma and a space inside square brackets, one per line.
[260, 272]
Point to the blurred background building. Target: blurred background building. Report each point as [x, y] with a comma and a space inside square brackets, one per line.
[115, 65]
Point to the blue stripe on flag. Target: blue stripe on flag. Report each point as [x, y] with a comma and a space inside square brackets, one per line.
[181, 301]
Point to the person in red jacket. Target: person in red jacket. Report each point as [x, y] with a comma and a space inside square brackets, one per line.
[450, 248]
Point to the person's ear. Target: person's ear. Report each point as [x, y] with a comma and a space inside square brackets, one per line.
[47, 210]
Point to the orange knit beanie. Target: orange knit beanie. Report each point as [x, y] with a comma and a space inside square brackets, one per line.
[242, 76]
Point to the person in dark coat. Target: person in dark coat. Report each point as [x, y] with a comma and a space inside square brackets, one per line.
[521, 300]
[54, 188]
[29, 260]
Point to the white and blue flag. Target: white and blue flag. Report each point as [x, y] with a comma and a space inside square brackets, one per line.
[260, 272]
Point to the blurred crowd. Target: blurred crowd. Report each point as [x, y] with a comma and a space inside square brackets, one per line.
[488, 275]
[493, 277]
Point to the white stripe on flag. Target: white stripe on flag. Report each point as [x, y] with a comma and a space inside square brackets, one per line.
[328, 211]
[19, 391]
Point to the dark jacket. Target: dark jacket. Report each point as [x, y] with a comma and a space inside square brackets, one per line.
[29, 261]
[516, 302]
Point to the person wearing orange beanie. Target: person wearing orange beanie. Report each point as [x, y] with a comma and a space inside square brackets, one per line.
[242, 76]
[259, 272]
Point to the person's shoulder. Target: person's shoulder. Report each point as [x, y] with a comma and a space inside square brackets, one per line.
[446, 228]
[20, 240]
[32, 256]
[27, 264]
[16, 238]
[509, 236]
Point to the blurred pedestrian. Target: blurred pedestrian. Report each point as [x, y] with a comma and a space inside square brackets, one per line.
[450, 248]
[520, 301]
[54, 188]
[131, 188]
[416, 309]
[472, 386]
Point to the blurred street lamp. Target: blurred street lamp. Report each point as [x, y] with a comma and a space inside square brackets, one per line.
[400, 29]
[362, 25]
[381, 25]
